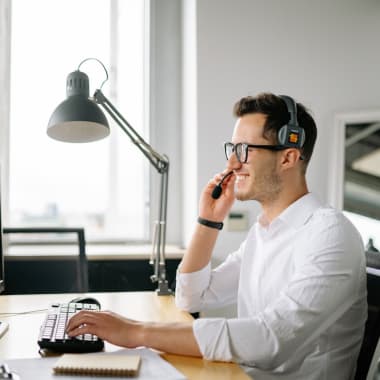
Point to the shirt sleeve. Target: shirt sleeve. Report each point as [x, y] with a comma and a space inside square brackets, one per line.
[328, 281]
[209, 288]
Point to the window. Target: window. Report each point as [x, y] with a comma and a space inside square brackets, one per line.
[355, 175]
[361, 200]
[102, 186]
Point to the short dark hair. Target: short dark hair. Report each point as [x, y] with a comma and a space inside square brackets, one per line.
[277, 115]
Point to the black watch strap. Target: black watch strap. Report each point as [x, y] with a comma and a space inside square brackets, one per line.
[209, 223]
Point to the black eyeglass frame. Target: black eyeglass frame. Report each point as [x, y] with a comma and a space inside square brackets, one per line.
[245, 147]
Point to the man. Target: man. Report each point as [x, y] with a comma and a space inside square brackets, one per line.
[298, 278]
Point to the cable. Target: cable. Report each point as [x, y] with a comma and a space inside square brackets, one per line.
[22, 313]
[101, 63]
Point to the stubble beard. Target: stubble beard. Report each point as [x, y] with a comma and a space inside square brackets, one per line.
[264, 189]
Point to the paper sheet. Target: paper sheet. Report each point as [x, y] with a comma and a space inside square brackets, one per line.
[152, 367]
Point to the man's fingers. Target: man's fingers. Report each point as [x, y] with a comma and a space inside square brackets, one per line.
[217, 178]
[81, 318]
[83, 329]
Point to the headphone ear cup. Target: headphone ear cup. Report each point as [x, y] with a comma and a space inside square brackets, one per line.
[281, 136]
[291, 136]
[302, 137]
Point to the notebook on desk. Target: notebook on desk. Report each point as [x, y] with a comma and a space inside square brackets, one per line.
[98, 365]
[152, 367]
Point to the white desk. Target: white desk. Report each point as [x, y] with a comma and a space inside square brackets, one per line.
[21, 339]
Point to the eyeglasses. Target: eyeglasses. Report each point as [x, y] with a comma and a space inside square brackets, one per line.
[241, 150]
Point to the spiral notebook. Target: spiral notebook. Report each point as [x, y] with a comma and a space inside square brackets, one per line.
[103, 365]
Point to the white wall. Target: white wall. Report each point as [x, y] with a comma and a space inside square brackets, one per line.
[165, 106]
[324, 53]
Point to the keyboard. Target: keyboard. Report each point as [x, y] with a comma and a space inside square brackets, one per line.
[53, 335]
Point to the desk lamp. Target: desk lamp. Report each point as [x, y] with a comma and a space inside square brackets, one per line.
[79, 119]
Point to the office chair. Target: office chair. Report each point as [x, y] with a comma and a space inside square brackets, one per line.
[60, 279]
[372, 327]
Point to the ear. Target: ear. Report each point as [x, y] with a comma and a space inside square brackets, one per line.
[290, 158]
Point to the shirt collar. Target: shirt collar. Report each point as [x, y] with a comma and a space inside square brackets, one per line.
[297, 214]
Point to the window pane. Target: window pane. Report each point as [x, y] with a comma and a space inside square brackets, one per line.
[99, 185]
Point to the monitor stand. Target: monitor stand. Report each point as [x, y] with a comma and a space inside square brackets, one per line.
[3, 328]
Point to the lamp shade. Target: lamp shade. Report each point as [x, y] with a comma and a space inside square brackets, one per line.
[78, 118]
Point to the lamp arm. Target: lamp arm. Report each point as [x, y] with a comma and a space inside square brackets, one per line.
[161, 163]
[157, 160]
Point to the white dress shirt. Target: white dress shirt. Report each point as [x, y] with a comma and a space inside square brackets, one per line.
[300, 287]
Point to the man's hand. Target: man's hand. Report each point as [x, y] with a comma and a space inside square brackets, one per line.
[176, 338]
[199, 252]
[108, 326]
[217, 209]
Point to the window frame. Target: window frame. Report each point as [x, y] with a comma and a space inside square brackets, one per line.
[337, 160]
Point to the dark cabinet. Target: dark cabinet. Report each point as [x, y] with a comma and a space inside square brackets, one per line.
[60, 275]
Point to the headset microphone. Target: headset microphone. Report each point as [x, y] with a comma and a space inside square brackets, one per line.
[218, 188]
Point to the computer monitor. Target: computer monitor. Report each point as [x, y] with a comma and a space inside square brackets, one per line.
[3, 325]
[2, 284]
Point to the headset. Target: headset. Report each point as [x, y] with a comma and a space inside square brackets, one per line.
[290, 135]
